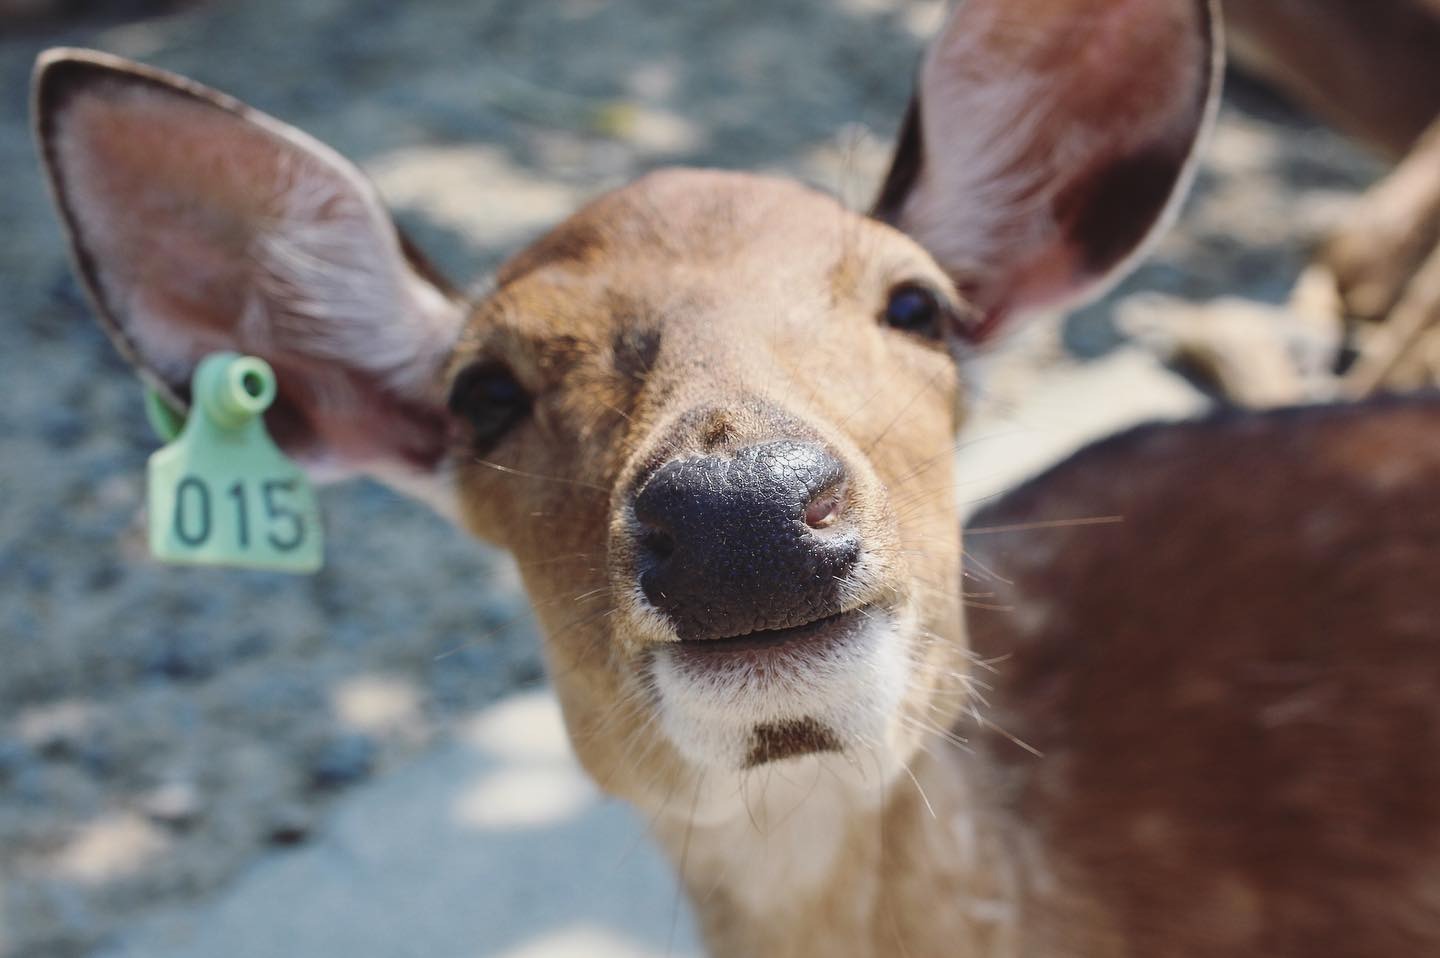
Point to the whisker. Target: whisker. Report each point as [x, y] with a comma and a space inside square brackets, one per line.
[1014, 739]
[508, 470]
[924, 387]
[923, 797]
[1045, 524]
[984, 568]
[554, 560]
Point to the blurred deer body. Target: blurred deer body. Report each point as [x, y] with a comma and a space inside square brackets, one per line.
[711, 415]
[1369, 68]
[1240, 756]
[1373, 71]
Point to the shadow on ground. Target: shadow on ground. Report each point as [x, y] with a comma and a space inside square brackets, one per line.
[492, 844]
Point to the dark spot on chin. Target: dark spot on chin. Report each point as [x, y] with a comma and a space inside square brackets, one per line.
[781, 740]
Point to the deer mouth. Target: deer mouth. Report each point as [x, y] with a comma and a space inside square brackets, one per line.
[772, 647]
[826, 686]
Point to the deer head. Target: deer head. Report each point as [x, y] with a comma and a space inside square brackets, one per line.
[709, 414]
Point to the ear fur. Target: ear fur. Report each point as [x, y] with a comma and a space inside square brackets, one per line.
[1049, 142]
[197, 224]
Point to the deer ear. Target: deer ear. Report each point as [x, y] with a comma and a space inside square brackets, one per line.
[198, 224]
[1049, 140]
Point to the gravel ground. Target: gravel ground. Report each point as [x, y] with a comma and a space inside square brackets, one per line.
[160, 727]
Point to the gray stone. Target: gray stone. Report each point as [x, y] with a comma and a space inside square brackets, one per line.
[178, 804]
[343, 760]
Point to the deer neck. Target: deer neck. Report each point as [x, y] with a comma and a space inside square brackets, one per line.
[811, 857]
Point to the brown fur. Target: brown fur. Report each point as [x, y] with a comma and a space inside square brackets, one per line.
[1371, 68]
[1236, 690]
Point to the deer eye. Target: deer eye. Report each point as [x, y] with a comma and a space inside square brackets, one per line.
[490, 398]
[916, 309]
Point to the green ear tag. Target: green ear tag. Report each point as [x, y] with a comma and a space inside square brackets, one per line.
[222, 493]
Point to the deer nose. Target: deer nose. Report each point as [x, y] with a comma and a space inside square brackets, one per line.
[755, 541]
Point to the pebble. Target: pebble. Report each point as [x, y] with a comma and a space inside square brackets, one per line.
[62, 428]
[290, 824]
[178, 804]
[182, 656]
[343, 760]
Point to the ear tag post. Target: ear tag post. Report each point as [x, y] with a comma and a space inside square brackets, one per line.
[221, 492]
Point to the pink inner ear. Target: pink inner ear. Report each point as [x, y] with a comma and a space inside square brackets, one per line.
[203, 227]
[1051, 135]
[134, 178]
[355, 424]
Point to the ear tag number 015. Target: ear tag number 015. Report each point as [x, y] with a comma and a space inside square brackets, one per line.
[221, 492]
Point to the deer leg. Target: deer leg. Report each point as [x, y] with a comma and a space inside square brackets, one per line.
[1373, 71]
[1383, 265]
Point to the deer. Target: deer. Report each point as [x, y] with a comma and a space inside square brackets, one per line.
[1369, 303]
[712, 417]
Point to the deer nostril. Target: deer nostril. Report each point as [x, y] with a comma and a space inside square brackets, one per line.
[824, 510]
[658, 543]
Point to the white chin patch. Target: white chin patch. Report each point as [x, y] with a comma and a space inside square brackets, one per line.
[739, 713]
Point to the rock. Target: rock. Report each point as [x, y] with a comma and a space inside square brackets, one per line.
[181, 656]
[61, 426]
[343, 760]
[58, 730]
[290, 824]
[178, 804]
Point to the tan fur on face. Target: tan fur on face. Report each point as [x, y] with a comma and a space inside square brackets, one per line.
[1237, 700]
[659, 321]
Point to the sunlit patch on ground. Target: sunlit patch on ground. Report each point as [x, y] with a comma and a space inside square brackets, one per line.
[108, 848]
[538, 782]
[495, 840]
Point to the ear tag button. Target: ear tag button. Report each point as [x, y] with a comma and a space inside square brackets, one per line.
[221, 492]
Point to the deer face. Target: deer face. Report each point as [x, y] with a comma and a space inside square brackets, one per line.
[711, 413]
[738, 396]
